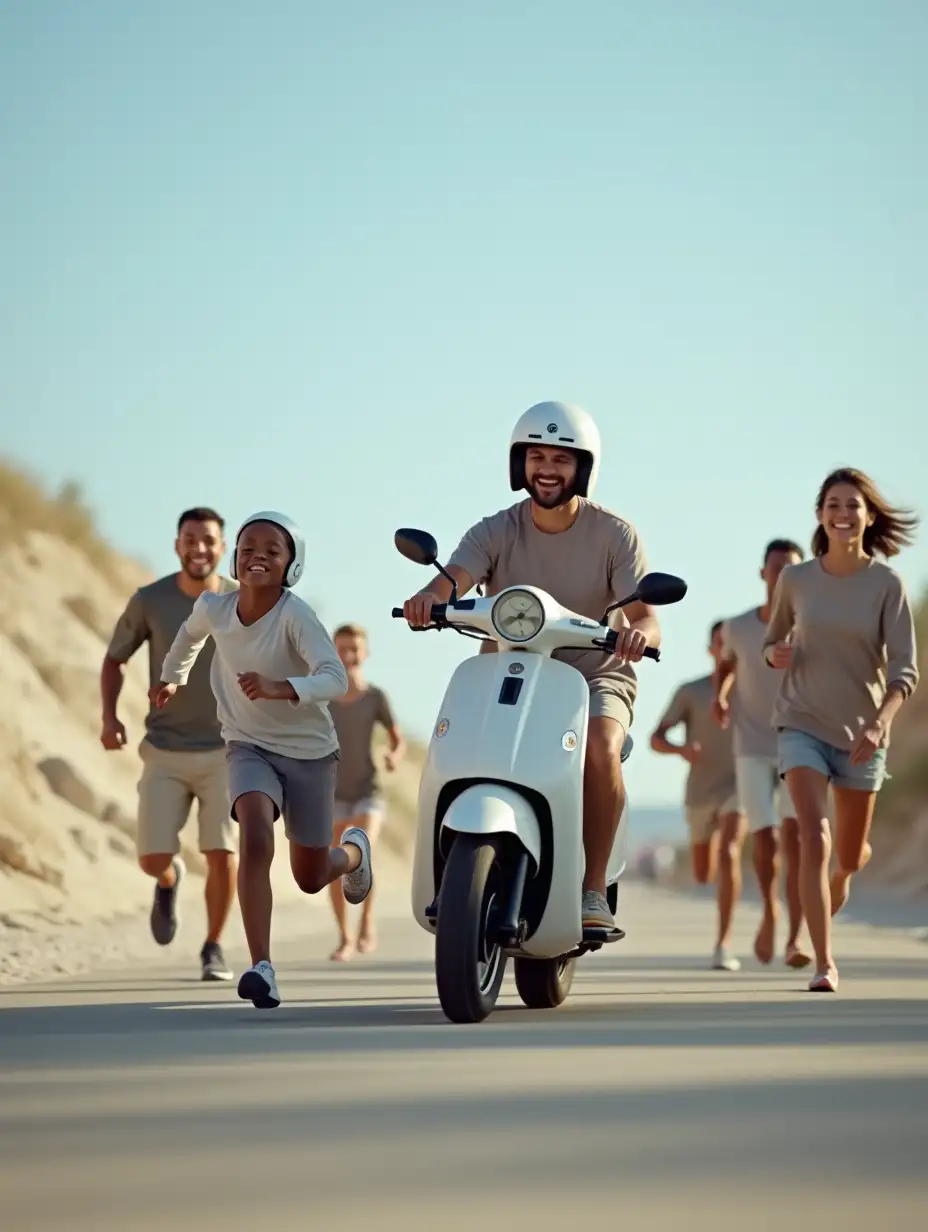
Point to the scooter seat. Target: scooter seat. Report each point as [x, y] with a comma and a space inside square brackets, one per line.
[627, 749]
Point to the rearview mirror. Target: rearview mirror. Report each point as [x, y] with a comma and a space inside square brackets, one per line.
[416, 545]
[660, 589]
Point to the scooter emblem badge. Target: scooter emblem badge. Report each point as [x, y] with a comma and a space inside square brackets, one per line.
[441, 728]
[569, 741]
[515, 669]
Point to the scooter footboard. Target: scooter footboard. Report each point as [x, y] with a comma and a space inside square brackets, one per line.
[491, 808]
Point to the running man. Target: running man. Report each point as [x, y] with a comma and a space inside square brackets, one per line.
[744, 693]
[274, 670]
[358, 801]
[716, 826]
[183, 755]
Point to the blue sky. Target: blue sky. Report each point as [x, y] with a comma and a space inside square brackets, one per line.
[320, 257]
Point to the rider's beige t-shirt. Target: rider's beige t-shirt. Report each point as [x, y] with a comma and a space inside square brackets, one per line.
[597, 561]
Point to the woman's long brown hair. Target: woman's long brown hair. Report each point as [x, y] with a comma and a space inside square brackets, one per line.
[892, 529]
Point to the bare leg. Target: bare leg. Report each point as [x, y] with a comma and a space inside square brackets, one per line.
[732, 832]
[703, 859]
[255, 814]
[160, 866]
[603, 798]
[345, 948]
[767, 868]
[316, 867]
[220, 891]
[795, 956]
[367, 933]
[809, 792]
[853, 818]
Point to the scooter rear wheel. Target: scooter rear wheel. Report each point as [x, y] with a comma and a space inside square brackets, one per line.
[469, 965]
[543, 983]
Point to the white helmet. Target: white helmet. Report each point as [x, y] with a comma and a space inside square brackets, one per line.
[556, 423]
[289, 527]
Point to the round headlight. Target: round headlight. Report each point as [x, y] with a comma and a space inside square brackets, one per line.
[518, 615]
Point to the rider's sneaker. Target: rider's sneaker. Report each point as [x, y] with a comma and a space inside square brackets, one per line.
[595, 911]
[214, 963]
[259, 986]
[164, 919]
[723, 960]
[357, 885]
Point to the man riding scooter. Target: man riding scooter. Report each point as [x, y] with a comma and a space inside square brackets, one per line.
[586, 558]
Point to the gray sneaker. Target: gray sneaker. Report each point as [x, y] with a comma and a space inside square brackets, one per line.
[164, 919]
[357, 885]
[595, 911]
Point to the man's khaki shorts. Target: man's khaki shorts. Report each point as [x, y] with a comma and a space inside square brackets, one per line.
[609, 700]
[703, 819]
[169, 785]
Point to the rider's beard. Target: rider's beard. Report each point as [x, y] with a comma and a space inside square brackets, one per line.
[197, 567]
[561, 495]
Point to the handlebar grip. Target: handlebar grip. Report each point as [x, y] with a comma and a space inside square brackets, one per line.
[438, 613]
[651, 652]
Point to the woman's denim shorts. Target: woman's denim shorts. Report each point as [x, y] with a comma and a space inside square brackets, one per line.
[798, 748]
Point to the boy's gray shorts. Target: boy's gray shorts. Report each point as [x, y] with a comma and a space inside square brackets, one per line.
[303, 791]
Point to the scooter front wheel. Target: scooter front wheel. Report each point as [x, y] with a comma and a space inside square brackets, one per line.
[543, 983]
[469, 964]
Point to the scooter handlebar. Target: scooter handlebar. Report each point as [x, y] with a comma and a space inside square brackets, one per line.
[438, 614]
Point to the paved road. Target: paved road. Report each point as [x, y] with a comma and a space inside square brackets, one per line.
[661, 1095]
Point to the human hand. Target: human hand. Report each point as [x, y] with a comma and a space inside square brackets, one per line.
[691, 752]
[257, 687]
[782, 656]
[113, 735]
[721, 712]
[161, 694]
[630, 645]
[418, 609]
[867, 743]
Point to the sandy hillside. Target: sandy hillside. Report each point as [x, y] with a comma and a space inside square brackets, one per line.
[67, 807]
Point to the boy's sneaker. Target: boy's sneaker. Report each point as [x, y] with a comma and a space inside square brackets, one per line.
[357, 885]
[214, 963]
[164, 918]
[259, 986]
[724, 960]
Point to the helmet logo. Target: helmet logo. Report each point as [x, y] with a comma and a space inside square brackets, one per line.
[552, 428]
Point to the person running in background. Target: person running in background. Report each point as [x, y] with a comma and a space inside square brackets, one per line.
[842, 640]
[744, 694]
[716, 826]
[183, 755]
[357, 797]
[274, 668]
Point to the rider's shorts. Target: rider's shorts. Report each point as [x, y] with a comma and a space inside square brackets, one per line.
[609, 700]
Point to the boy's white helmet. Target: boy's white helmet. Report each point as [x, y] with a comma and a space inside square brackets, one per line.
[289, 527]
[556, 423]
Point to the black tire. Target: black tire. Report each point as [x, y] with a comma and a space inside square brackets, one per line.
[468, 972]
[543, 983]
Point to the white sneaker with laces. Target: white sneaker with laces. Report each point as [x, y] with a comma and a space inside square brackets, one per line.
[259, 986]
[357, 885]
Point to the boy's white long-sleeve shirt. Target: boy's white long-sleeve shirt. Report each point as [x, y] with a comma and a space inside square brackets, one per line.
[288, 643]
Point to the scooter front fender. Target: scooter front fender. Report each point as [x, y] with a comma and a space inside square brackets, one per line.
[491, 808]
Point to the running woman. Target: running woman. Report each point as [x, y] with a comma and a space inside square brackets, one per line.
[274, 669]
[842, 634]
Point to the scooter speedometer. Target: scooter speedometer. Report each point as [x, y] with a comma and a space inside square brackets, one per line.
[518, 615]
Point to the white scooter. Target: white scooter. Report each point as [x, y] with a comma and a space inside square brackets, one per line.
[499, 863]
